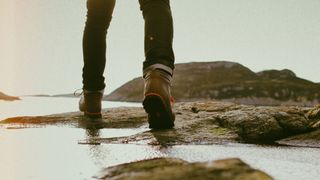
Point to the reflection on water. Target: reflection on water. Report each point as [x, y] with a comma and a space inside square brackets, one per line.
[54, 153]
[280, 162]
[92, 127]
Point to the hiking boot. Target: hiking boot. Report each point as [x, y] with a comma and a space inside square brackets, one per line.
[90, 103]
[157, 97]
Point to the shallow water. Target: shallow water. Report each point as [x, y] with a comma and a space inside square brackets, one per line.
[55, 153]
[37, 106]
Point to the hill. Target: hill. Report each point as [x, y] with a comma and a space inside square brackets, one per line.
[229, 81]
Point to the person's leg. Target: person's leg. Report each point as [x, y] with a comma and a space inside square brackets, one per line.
[99, 14]
[159, 63]
[158, 33]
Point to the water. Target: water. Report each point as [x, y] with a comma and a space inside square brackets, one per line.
[36, 106]
[54, 152]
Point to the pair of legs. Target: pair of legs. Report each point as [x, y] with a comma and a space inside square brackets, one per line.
[157, 67]
[158, 38]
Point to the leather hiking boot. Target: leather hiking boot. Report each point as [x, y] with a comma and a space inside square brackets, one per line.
[157, 98]
[90, 103]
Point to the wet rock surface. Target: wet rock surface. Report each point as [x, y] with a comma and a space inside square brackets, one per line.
[311, 139]
[176, 169]
[123, 117]
[206, 122]
[314, 116]
[197, 123]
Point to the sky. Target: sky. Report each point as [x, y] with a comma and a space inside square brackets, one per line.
[41, 53]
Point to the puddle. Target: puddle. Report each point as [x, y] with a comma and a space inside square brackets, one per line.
[54, 153]
[279, 162]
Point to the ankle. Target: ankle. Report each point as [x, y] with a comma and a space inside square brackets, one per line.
[159, 67]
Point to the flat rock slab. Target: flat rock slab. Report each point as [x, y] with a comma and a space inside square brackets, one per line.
[122, 117]
[311, 139]
[176, 169]
[206, 122]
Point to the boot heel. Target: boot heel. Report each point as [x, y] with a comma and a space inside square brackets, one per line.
[93, 115]
[159, 117]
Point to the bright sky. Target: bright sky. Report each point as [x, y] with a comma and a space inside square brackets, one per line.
[40, 47]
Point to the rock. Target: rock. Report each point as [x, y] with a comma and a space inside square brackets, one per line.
[315, 125]
[311, 139]
[122, 117]
[176, 169]
[232, 82]
[252, 126]
[292, 120]
[314, 116]
[258, 124]
[204, 122]
[275, 74]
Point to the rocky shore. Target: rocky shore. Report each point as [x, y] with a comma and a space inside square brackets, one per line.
[6, 97]
[197, 123]
[206, 122]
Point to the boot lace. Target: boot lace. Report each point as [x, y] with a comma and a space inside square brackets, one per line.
[78, 92]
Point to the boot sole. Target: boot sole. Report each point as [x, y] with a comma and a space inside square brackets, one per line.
[159, 117]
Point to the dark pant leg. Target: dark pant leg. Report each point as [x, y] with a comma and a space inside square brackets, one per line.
[158, 32]
[99, 14]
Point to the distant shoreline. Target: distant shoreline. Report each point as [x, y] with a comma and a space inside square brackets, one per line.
[6, 97]
[245, 101]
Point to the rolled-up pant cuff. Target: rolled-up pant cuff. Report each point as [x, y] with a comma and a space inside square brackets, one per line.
[165, 68]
